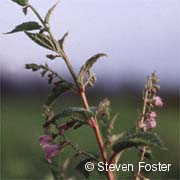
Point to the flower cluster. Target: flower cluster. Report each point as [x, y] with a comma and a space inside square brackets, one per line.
[151, 100]
[50, 150]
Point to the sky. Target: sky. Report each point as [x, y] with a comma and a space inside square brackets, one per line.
[139, 36]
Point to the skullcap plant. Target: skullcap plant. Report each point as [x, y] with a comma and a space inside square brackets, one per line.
[55, 140]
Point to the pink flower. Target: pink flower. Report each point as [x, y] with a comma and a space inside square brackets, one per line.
[51, 150]
[44, 139]
[151, 123]
[158, 101]
[152, 114]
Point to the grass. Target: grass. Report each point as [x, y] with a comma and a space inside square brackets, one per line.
[22, 157]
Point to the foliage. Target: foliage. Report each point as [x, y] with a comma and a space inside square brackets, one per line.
[111, 145]
[27, 26]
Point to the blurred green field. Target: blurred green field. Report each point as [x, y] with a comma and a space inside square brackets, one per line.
[21, 125]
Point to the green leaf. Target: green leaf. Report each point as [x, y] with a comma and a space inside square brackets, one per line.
[61, 41]
[45, 41]
[25, 10]
[75, 113]
[70, 124]
[48, 15]
[85, 69]
[139, 139]
[45, 69]
[27, 26]
[21, 2]
[33, 67]
[42, 39]
[59, 88]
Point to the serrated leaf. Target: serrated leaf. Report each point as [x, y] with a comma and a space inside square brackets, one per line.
[27, 26]
[152, 139]
[42, 40]
[59, 88]
[139, 139]
[21, 2]
[75, 113]
[85, 69]
[48, 15]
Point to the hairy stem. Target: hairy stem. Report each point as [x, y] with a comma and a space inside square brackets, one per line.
[93, 122]
[56, 74]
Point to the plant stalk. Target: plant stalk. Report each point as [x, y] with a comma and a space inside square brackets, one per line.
[142, 120]
[93, 122]
[97, 132]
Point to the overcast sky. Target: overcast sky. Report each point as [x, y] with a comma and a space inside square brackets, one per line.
[139, 36]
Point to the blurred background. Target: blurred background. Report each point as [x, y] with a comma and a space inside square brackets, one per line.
[139, 36]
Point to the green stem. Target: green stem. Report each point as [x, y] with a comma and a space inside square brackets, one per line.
[65, 57]
[56, 74]
[38, 16]
[67, 61]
